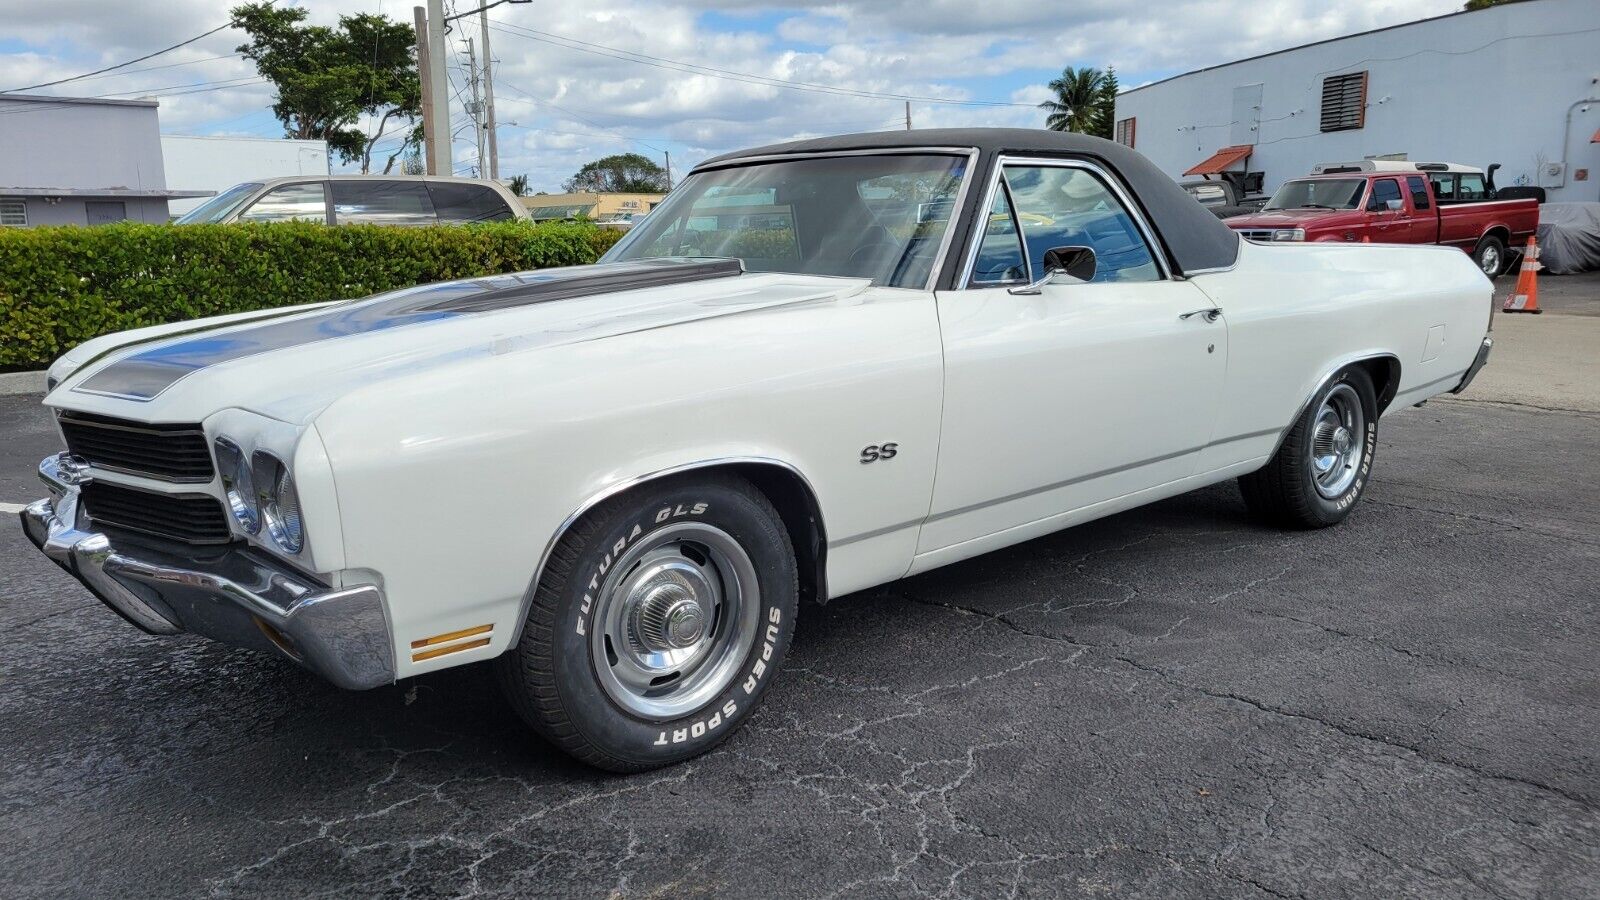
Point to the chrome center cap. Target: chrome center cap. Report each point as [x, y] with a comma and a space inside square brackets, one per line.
[1341, 440]
[669, 617]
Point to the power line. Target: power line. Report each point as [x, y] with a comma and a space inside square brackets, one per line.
[119, 65]
[745, 77]
[199, 87]
[190, 62]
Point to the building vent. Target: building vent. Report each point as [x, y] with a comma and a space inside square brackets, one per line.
[13, 211]
[1344, 101]
[1124, 133]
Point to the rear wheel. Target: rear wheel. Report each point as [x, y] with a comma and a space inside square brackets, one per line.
[1490, 255]
[660, 619]
[1321, 469]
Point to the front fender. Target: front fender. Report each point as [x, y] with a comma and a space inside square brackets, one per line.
[454, 483]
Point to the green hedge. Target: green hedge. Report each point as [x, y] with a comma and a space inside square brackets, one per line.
[62, 286]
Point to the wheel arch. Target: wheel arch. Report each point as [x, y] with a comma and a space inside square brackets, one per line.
[1382, 367]
[1384, 370]
[783, 484]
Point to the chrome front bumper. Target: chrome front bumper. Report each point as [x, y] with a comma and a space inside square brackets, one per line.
[230, 595]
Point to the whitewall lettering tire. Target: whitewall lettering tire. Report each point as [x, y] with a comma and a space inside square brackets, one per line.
[660, 620]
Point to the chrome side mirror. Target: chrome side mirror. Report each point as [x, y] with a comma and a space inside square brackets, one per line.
[1075, 263]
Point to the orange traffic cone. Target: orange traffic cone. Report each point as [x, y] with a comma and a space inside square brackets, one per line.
[1525, 299]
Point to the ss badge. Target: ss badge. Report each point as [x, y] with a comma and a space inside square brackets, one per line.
[876, 452]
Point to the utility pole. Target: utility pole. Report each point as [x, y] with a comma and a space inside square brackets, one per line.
[475, 108]
[908, 115]
[669, 168]
[488, 96]
[425, 74]
[439, 161]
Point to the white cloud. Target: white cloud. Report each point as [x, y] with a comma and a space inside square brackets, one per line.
[562, 107]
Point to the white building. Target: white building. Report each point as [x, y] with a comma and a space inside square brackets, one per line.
[218, 163]
[1517, 84]
[81, 161]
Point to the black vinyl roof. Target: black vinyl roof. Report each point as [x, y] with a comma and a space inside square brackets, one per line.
[1195, 239]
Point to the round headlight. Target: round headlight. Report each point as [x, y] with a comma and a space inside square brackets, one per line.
[238, 485]
[282, 512]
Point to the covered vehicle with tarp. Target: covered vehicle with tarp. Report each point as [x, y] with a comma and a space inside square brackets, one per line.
[1569, 237]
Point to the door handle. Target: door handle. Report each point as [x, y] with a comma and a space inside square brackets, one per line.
[1211, 313]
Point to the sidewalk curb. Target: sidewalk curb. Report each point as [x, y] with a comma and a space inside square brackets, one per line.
[19, 383]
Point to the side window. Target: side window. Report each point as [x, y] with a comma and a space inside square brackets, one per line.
[1000, 258]
[1060, 206]
[381, 202]
[1383, 190]
[1444, 186]
[306, 202]
[1471, 187]
[1419, 191]
[467, 203]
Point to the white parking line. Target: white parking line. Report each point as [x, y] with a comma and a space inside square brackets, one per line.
[12, 507]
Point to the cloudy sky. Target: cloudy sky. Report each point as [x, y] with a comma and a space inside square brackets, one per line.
[578, 80]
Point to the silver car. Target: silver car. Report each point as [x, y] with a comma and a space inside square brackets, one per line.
[362, 199]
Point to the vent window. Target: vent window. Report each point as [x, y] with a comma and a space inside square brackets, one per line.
[1344, 102]
[13, 211]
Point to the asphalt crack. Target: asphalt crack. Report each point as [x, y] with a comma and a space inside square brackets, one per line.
[1588, 804]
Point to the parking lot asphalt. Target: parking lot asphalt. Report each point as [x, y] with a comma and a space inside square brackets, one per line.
[1170, 702]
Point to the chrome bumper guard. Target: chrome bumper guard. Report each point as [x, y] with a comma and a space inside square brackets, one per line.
[226, 594]
[1477, 365]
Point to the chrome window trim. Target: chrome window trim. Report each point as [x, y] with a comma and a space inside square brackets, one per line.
[820, 154]
[969, 153]
[1156, 248]
[983, 234]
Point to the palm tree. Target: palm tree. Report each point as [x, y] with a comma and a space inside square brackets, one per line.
[1080, 94]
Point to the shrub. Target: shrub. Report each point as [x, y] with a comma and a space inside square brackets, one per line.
[64, 285]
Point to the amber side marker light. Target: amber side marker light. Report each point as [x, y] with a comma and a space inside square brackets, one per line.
[430, 647]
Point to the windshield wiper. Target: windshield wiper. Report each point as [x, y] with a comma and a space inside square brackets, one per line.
[1312, 206]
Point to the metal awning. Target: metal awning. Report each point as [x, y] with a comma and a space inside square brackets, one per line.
[1219, 161]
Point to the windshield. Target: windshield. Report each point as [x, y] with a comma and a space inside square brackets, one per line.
[880, 217]
[1318, 193]
[218, 207]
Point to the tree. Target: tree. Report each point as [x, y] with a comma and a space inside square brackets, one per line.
[519, 185]
[328, 78]
[1080, 95]
[1106, 122]
[626, 173]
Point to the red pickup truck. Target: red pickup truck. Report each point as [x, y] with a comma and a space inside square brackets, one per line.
[1396, 203]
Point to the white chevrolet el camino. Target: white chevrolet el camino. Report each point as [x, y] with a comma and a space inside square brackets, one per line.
[815, 368]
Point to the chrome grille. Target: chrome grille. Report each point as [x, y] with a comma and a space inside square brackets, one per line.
[1255, 234]
[168, 452]
[191, 518]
